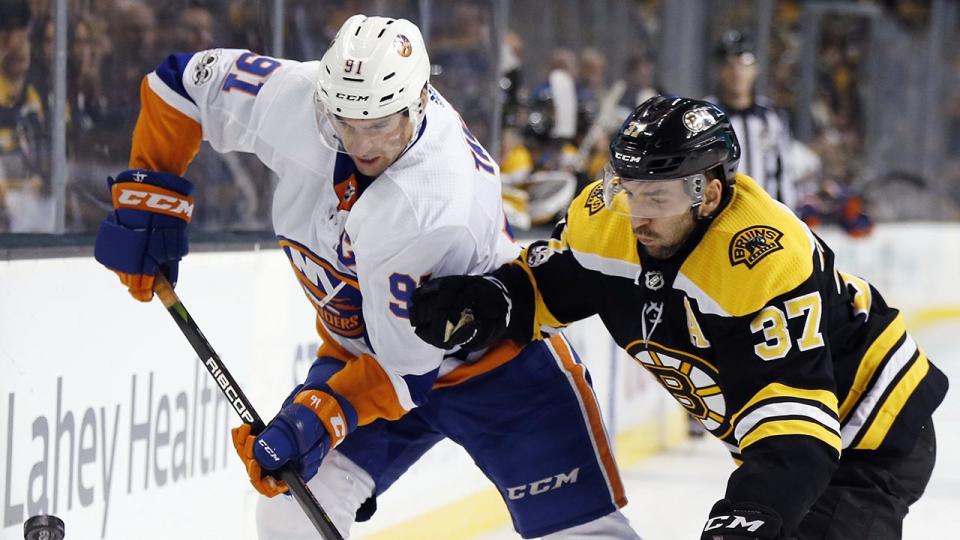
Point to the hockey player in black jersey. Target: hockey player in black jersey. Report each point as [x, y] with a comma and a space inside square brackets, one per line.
[803, 371]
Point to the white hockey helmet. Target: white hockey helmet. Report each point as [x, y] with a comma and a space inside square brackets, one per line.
[375, 67]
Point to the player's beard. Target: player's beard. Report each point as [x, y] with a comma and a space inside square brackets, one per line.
[667, 237]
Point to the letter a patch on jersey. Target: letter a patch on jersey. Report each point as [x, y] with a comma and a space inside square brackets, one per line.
[696, 333]
[752, 244]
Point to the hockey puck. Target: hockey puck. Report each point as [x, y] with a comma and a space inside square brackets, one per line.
[43, 527]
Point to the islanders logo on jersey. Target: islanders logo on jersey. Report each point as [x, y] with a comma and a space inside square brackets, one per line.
[752, 244]
[334, 294]
[691, 380]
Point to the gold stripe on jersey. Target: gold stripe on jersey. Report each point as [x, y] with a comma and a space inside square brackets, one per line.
[778, 409]
[601, 240]
[879, 349]
[773, 255]
[893, 404]
[779, 391]
[898, 375]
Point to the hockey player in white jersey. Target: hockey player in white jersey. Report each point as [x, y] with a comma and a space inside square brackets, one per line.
[381, 184]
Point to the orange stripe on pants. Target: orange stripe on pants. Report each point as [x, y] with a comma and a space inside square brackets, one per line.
[588, 400]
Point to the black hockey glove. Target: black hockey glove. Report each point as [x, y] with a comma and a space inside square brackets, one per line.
[466, 311]
[741, 521]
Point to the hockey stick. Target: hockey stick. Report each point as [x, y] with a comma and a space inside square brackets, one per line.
[238, 400]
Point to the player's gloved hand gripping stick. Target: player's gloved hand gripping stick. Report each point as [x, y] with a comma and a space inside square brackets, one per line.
[240, 403]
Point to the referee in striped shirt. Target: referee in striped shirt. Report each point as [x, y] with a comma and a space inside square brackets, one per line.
[761, 127]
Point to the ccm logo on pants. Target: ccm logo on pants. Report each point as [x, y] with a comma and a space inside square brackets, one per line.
[544, 485]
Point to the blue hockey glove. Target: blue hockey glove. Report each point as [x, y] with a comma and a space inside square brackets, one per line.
[302, 433]
[147, 231]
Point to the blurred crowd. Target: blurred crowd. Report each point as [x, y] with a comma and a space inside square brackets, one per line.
[556, 128]
[111, 45]
[557, 113]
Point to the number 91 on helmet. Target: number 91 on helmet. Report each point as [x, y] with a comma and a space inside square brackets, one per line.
[370, 95]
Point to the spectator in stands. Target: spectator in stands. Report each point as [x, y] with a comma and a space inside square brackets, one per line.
[226, 192]
[461, 50]
[90, 129]
[639, 74]
[25, 201]
[195, 28]
[132, 27]
[511, 80]
[591, 87]
[538, 169]
[559, 89]
[245, 20]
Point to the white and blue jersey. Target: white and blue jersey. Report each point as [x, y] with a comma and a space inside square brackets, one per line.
[358, 247]
[435, 211]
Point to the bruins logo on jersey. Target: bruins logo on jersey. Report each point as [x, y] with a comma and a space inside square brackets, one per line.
[595, 199]
[752, 244]
[691, 380]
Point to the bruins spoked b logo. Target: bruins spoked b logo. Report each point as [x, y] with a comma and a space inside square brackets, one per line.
[752, 244]
[691, 380]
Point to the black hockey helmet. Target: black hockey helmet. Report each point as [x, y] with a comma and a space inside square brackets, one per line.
[734, 43]
[670, 138]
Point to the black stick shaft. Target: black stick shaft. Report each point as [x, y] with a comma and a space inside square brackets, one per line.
[238, 400]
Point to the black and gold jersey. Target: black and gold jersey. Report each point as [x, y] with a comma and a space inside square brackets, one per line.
[787, 360]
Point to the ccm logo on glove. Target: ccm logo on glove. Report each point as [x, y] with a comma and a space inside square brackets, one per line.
[153, 199]
[270, 451]
[733, 522]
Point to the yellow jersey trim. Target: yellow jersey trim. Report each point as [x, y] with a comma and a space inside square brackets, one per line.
[776, 428]
[601, 240]
[779, 391]
[893, 404]
[871, 360]
[755, 250]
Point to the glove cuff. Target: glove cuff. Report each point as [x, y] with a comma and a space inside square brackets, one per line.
[164, 180]
[741, 521]
[328, 411]
[506, 296]
[152, 198]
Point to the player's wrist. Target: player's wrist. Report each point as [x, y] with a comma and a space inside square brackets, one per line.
[741, 521]
[518, 291]
[328, 412]
[506, 297]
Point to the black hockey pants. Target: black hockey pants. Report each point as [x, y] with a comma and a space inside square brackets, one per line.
[868, 497]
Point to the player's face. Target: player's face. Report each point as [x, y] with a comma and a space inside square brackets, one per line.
[737, 74]
[662, 237]
[376, 143]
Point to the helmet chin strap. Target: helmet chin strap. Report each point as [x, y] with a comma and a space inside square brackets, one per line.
[420, 116]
